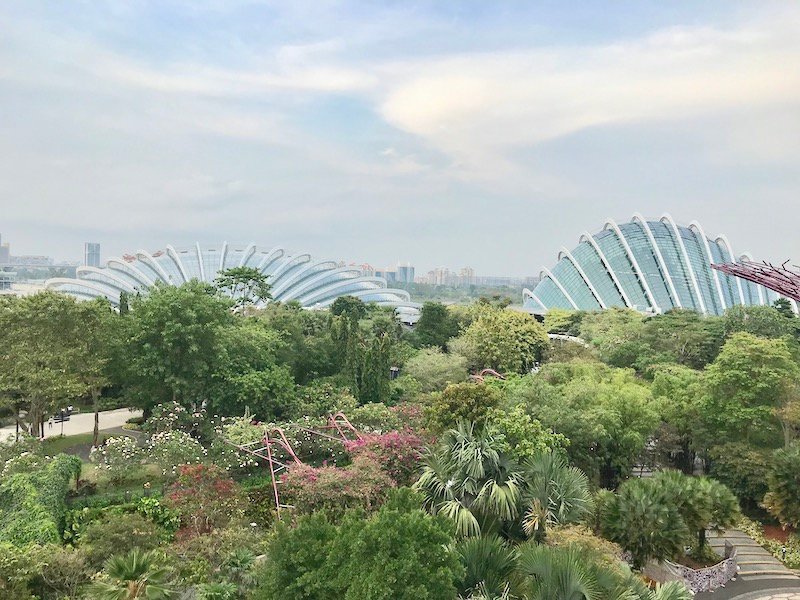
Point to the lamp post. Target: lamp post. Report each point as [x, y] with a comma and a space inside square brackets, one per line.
[62, 422]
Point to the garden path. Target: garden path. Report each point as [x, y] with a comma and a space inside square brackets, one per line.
[83, 423]
[761, 575]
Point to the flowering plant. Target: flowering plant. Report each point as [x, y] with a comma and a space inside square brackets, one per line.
[204, 498]
[116, 456]
[172, 449]
[169, 416]
[360, 485]
[398, 453]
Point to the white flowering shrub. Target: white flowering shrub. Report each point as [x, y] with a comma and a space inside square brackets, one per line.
[169, 416]
[26, 462]
[14, 446]
[117, 457]
[172, 449]
[240, 430]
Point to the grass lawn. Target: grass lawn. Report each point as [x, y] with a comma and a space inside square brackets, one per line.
[72, 444]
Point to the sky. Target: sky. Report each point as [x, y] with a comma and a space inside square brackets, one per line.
[449, 133]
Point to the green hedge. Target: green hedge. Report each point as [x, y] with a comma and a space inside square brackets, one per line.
[32, 505]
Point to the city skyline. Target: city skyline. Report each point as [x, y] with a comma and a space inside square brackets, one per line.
[437, 133]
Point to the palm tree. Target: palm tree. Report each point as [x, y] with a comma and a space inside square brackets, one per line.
[132, 576]
[558, 573]
[218, 591]
[642, 519]
[570, 574]
[556, 493]
[674, 590]
[468, 481]
[489, 567]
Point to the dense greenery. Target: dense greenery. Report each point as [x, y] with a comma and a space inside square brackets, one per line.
[489, 461]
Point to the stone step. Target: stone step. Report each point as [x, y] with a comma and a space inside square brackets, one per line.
[772, 572]
[767, 577]
[760, 560]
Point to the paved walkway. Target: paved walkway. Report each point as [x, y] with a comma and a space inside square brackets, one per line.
[761, 575]
[82, 423]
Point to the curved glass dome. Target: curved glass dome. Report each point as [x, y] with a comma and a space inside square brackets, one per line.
[312, 283]
[650, 266]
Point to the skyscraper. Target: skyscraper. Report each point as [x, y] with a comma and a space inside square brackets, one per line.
[91, 254]
[5, 253]
[405, 273]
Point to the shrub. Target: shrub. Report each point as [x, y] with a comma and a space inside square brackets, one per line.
[461, 401]
[116, 458]
[169, 416]
[32, 505]
[398, 454]
[645, 522]
[19, 568]
[360, 485]
[66, 571]
[12, 447]
[171, 450]
[118, 533]
[783, 499]
[202, 559]
[205, 498]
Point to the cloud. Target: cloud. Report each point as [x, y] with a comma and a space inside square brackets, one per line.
[480, 107]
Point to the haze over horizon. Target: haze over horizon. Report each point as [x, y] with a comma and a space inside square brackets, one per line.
[447, 133]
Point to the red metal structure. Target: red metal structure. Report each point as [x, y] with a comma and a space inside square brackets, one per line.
[275, 439]
[481, 377]
[784, 280]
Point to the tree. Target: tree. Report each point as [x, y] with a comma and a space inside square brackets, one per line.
[642, 519]
[248, 375]
[490, 565]
[435, 326]
[99, 344]
[616, 335]
[782, 500]
[174, 344]
[520, 436]
[118, 534]
[204, 498]
[133, 576]
[748, 382]
[678, 396]
[466, 401]
[741, 467]
[680, 336]
[555, 493]
[39, 360]
[468, 481]
[247, 286]
[761, 321]
[571, 572]
[350, 307]
[400, 553]
[502, 339]
[432, 369]
[703, 503]
[607, 414]
[294, 568]
[568, 322]
[784, 306]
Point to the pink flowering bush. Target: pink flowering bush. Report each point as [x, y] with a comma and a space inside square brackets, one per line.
[398, 453]
[362, 484]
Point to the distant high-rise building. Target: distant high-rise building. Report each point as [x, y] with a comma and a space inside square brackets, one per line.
[91, 254]
[5, 253]
[405, 273]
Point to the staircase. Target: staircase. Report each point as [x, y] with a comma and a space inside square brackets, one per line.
[755, 563]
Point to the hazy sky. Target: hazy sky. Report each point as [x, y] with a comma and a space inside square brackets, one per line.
[442, 133]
